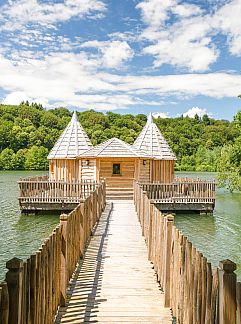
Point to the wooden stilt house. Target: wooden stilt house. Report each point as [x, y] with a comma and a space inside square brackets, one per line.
[149, 159]
[76, 167]
[160, 166]
[64, 156]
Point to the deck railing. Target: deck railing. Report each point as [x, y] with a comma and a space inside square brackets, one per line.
[182, 190]
[196, 291]
[35, 288]
[43, 190]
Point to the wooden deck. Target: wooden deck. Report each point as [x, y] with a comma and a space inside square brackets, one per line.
[115, 282]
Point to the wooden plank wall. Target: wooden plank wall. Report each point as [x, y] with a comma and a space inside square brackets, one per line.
[196, 291]
[144, 171]
[72, 169]
[35, 288]
[125, 180]
[162, 171]
[64, 169]
[88, 172]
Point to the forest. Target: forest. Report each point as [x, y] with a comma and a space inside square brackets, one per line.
[28, 132]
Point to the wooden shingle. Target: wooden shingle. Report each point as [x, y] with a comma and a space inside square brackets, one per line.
[114, 147]
[153, 142]
[72, 142]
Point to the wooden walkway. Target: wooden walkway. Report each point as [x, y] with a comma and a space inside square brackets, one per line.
[115, 283]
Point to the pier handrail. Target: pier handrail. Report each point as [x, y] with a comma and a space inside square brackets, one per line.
[34, 289]
[43, 190]
[184, 190]
[196, 291]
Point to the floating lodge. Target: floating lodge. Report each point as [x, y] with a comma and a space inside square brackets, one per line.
[76, 167]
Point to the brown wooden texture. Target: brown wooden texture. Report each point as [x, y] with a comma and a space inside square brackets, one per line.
[4, 303]
[194, 290]
[43, 190]
[181, 190]
[36, 287]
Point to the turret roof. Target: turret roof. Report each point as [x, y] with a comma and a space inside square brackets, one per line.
[72, 142]
[153, 142]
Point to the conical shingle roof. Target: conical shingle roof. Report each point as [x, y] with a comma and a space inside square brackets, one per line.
[114, 147]
[153, 142]
[72, 142]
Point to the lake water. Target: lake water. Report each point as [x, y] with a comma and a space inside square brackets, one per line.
[20, 235]
[218, 236]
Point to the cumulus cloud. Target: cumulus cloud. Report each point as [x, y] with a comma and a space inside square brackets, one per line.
[22, 12]
[196, 111]
[15, 98]
[183, 42]
[76, 80]
[114, 53]
[227, 20]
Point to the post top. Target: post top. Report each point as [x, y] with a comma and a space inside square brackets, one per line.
[227, 265]
[14, 263]
[63, 217]
[170, 217]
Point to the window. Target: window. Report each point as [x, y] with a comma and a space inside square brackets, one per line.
[116, 169]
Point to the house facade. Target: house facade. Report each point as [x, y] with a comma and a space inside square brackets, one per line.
[149, 159]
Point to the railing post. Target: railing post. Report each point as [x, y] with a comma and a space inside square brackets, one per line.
[238, 297]
[151, 211]
[227, 292]
[64, 259]
[167, 272]
[4, 303]
[14, 278]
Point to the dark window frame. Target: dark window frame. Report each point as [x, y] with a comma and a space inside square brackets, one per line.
[120, 169]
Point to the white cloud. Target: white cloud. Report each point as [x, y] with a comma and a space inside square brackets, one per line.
[161, 114]
[114, 53]
[227, 19]
[183, 42]
[75, 80]
[15, 98]
[22, 12]
[196, 111]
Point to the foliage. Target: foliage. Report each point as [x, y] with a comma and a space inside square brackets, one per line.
[28, 132]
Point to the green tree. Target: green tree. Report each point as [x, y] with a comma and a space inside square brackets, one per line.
[36, 158]
[7, 159]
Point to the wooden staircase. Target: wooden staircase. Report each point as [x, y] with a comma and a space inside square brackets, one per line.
[113, 193]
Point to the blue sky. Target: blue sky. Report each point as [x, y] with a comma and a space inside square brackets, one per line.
[131, 56]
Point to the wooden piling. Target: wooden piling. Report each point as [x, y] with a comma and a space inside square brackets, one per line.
[227, 292]
[4, 304]
[14, 279]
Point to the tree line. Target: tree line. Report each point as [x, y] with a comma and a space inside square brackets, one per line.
[28, 132]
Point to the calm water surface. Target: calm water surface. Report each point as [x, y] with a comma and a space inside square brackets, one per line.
[20, 235]
[218, 236]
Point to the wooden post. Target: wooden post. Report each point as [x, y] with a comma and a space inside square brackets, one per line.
[151, 212]
[64, 259]
[227, 292]
[167, 247]
[4, 304]
[238, 292]
[14, 280]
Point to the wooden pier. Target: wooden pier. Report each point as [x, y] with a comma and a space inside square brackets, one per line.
[40, 193]
[95, 267]
[183, 194]
[115, 282]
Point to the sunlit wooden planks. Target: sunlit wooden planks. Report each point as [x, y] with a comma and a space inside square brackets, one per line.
[116, 282]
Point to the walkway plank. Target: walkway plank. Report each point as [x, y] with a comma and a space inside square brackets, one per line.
[115, 283]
